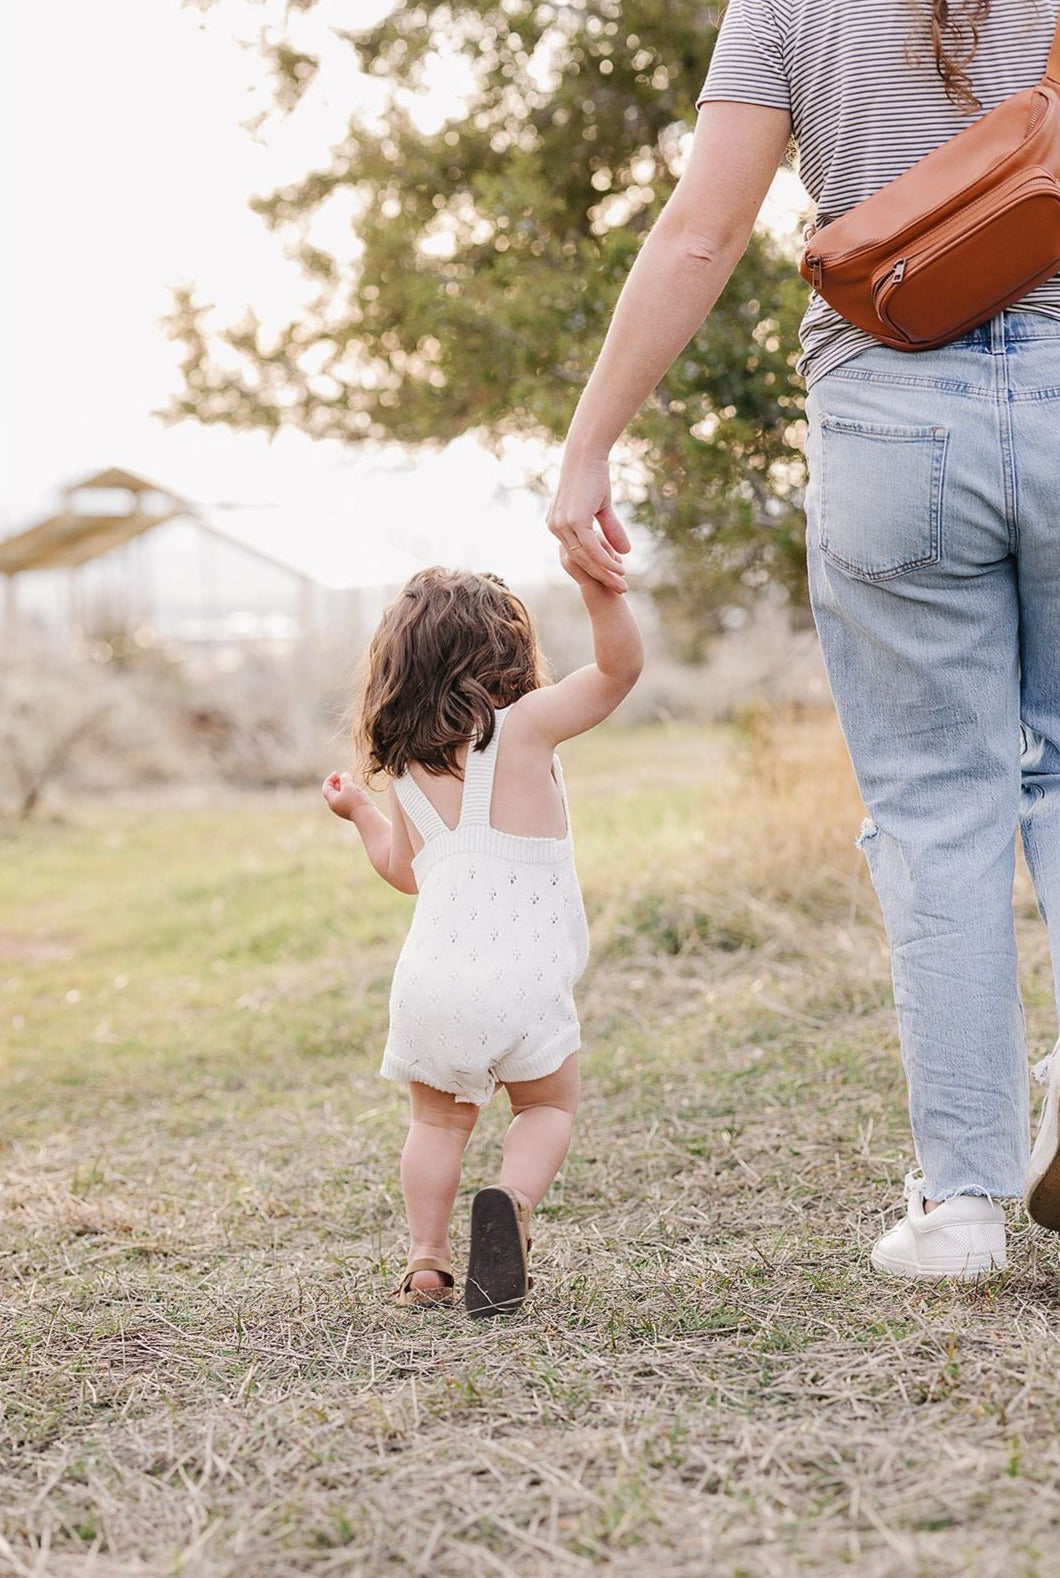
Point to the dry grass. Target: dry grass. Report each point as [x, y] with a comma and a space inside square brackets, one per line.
[201, 1218]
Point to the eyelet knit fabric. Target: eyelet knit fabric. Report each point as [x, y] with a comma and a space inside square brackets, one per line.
[483, 990]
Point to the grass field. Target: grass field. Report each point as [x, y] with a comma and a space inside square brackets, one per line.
[201, 1216]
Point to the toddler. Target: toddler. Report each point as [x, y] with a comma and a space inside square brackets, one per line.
[456, 716]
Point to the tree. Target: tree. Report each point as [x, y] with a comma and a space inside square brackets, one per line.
[490, 253]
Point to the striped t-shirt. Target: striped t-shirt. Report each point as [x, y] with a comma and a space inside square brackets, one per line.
[866, 102]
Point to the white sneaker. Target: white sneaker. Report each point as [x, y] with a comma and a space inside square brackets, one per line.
[1042, 1194]
[964, 1238]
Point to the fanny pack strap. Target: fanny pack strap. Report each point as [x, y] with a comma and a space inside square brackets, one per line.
[1052, 70]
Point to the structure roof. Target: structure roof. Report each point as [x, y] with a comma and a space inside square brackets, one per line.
[115, 477]
[322, 517]
[333, 550]
[74, 534]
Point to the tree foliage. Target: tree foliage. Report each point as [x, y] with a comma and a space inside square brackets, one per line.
[488, 258]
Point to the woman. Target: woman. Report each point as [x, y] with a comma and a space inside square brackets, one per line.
[934, 554]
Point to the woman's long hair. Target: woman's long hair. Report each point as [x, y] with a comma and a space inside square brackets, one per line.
[952, 29]
[451, 648]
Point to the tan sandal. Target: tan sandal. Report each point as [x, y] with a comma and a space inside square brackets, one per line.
[497, 1277]
[424, 1298]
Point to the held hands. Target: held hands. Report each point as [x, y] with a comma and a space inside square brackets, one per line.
[587, 581]
[343, 795]
[582, 502]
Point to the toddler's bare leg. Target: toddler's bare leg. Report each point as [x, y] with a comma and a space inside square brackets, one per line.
[430, 1173]
[539, 1134]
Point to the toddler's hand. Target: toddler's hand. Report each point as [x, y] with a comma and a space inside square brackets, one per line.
[343, 795]
[585, 580]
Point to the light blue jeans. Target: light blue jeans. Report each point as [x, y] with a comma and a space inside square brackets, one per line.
[934, 554]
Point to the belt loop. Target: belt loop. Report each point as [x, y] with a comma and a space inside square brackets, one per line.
[997, 333]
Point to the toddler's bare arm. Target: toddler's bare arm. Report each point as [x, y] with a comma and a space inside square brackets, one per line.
[386, 843]
[591, 693]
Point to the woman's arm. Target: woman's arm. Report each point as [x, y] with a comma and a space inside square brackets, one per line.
[679, 273]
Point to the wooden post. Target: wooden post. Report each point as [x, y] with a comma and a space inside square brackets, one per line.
[76, 610]
[10, 612]
[306, 611]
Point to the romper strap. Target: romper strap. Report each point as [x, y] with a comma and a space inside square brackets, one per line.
[557, 773]
[479, 768]
[421, 813]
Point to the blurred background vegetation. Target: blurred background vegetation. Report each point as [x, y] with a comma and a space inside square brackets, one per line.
[485, 258]
[459, 271]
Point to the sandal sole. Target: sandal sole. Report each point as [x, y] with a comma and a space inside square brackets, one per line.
[497, 1282]
[1043, 1200]
[1042, 1197]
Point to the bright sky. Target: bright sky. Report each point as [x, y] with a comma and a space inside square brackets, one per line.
[126, 169]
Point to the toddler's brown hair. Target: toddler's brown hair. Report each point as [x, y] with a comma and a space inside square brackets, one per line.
[450, 649]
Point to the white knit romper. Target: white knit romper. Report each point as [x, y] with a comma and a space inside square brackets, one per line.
[483, 990]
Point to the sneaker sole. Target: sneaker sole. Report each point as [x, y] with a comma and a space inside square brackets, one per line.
[963, 1271]
[496, 1266]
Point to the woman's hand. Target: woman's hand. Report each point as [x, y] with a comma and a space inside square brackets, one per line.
[591, 588]
[582, 503]
[343, 795]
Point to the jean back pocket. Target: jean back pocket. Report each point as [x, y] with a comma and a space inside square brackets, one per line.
[880, 497]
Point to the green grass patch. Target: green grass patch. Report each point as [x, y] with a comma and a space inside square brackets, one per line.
[201, 1216]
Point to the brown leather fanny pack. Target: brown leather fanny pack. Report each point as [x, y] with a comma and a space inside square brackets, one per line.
[958, 236]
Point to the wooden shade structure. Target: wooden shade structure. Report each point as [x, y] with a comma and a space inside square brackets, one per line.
[83, 530]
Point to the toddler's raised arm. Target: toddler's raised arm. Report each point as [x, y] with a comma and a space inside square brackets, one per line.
[591, 693]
